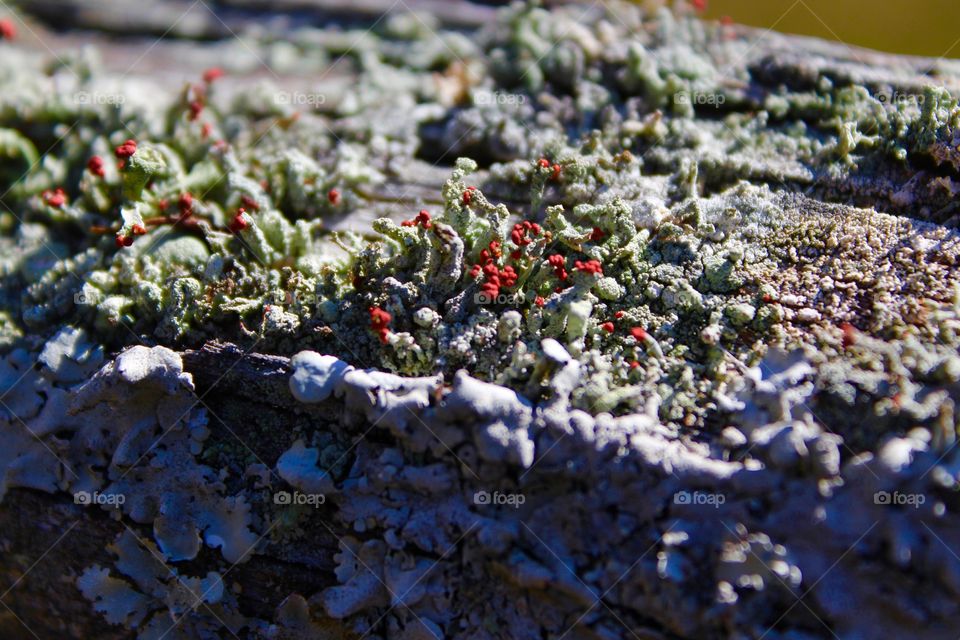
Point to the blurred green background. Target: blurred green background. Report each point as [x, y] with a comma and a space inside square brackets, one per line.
[919, 27]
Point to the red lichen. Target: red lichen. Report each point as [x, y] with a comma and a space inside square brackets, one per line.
[126, 150]
[468, 195]
[590, 266]
[607, 326]
[333, 196]
[212, 74]
[55, 198]
[849, 335]
[7, 30]
[639, 333]
[185, 204]
[380, 323]
[558, 263]
[239, 222]
[95, 166]
[422, 219]
[195, 108]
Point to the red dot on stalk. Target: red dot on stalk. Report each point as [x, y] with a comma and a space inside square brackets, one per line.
[607, 326]
[211, 74]
[95, 165]
[849, 334]
[639, 333]
[7, 30]
[239, 222]
[539, 301]
[333, 196]
[185, 204]
[126, 149]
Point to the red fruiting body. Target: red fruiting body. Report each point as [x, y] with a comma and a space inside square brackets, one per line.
[7, 30]
[509, 276]
[493, 277]
[590, 266]
[380, 323]
[515, 255]
[597, 234]
[699, 5]
[558, 263]
[333, 196]
[249, 203]
[126, 150]
[556, 172]
[639, 333]
[468, 195]
[539, 301]
[849, 334]
[123, 241]
[95, 165]
[422, 219]
[185, 204]
[239, 222]
[196, 108]
[205, 130]
[518, 235]
[726, 21]
[544, 163]
[634, 364]
[618, 315]
[56, 198]
[138, 230]
[212, 74]
[607, 326]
